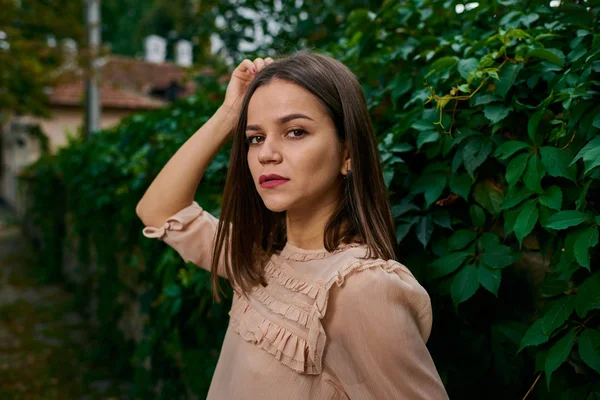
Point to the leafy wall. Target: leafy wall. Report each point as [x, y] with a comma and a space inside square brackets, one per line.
[488, 123]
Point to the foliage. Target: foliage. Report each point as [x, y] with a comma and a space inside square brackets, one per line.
[489, 138]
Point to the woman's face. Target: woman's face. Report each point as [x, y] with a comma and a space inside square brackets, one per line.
[291, 135]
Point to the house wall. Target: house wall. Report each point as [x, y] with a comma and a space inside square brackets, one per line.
[19, 149]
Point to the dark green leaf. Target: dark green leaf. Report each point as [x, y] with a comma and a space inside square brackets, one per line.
[489, 196]
[516, 195]
[477, 216]
[590, 154]
[461, 239]
[489, 278]
[402, 208]
[173, 291]
[589, 348]
[465, 67]
[515, 168]
[526, 220]
[427, 137]
[558, 354]
[464, 284]
[586, 239]
[461, 185]
[496, 112]
[588, 295]
[475, 152]
[488, 240]
[509, 148]
[552, 198]
[553, 55]
[508, 74]
[441, 65]
[402, 230]
[534, 336]
[557, 163]
[448, 264]
[485, 99]
[534, 173]
[552, 286]
[558, 314]
[424, 230]
[499, 256]
[566, 219]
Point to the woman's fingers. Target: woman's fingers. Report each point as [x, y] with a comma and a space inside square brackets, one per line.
[247, 66]
[259, 63]
[268, 60]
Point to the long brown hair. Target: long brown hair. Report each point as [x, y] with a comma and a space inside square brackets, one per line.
[249, 233]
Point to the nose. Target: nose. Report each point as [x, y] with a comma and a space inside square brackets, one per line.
[269, 152]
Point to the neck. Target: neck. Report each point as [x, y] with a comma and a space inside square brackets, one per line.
[305, 228]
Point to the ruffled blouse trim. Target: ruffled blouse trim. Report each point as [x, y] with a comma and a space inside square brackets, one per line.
[177, 222]
[302, 355]
[293, 253]
[289, 282]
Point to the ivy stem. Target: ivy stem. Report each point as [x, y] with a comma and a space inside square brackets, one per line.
[532, 386]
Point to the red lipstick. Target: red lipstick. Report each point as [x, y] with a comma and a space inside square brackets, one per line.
[271, 180]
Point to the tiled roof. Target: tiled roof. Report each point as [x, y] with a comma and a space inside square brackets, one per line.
[126, 83]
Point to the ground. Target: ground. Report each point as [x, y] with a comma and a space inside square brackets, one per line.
[45, 345]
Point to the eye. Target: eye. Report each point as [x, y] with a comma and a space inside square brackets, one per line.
[253, 139]
[297, 133]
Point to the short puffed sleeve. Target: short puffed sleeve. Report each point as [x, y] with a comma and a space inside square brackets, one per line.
[191, 232]
[378, 321]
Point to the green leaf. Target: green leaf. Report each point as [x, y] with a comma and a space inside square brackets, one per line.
[482, 99]
[496, 112]
[534, 174]
[586, 239]
[552, 198]
[489, 197]
[465, 67]
[173, 291]
[557, 163]
[461, 185]
[448, 264]
[558, 354]
[566, 219]
[588, 295]
[553, 55]
[427, 137]
[534, 336]
[402, 230]
[552, 286]
[424, 230]
[515, 168]
[465, 284]
[461, 239]
[596, 121]
[509, 148]
[475, 152]
[441, 65]
[489, 279]
[488, 240]
[526, 220]
[558, 314]
[589, 348]
[516, 194]
[499, 256]
[507, 75]
[477, 216]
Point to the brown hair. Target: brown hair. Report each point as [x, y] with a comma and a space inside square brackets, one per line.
[249, 233]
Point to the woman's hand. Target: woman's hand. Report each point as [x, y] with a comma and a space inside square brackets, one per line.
[240, 80]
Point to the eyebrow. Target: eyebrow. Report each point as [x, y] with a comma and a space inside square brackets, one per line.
[282, 120]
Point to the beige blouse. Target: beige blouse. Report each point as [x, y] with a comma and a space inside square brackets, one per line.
[328, 325]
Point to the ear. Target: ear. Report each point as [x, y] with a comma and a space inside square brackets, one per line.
[347, 165]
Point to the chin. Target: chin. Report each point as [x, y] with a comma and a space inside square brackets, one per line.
[275, 206]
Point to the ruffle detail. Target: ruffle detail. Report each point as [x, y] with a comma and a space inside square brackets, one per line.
[287, 310]
[291, 283]
[294, 253]
[175, 223]
[287, 347]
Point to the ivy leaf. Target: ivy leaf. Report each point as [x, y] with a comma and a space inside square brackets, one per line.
[588, 295]
[475, 152]
[553, 55]
[586, 239]
[489, 196]
[461, 185]
[173, 291]
[461, 239]
[534, 174]
[465, 67]
[424, 230]
[558, 354]
[448, 264]
[566, 219]
[515, 168]
[526, 220]
[427, 137]
[590, 154]
[496, 112]
[402, 230]
[507, 75]
[589, 348]
[465, 284]
[484, 99]
[441, 65]
[488, 240]
[534, 336]
[552, 198]
[558, 314]
[477, 216]
[499, 256]
[557, 163]
[509, 148]
[442, 218]
[516, 195]
[489, 279]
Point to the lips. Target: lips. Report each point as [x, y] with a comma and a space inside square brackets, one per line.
[271, 177]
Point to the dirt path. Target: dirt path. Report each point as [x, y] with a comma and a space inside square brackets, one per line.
[45, 350]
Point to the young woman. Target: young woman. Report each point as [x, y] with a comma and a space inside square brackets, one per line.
[321, 309]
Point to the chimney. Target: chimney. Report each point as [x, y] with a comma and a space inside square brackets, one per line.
[156, 49]
[183, 53]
